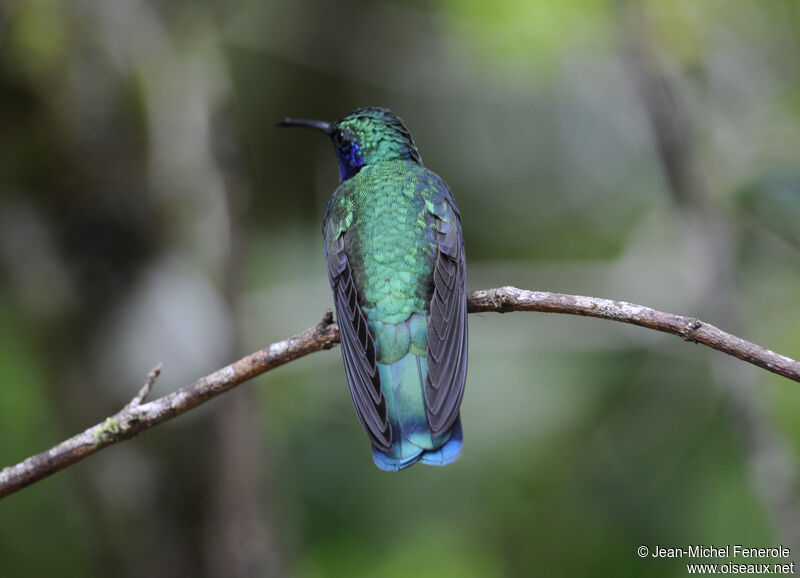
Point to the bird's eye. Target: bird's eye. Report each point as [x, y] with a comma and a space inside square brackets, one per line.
[339, 136]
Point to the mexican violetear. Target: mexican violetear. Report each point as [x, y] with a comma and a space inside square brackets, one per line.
[395, 256]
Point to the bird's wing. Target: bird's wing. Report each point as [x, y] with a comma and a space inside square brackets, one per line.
[358, 347]
[447, 323]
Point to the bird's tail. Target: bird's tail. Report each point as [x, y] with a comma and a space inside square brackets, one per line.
[403, 385]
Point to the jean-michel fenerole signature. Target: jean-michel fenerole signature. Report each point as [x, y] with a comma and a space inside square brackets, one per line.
[728, 551]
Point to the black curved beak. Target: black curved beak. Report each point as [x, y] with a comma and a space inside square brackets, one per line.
[325, 127]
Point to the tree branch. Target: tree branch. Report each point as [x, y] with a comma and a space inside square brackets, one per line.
[137, 416]
[689, 328]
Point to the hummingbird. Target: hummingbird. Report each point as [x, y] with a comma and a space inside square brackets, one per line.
[395, 260]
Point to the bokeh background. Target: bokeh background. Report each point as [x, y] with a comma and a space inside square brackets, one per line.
[151, 212]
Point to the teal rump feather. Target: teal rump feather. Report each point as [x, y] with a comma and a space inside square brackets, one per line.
[406, 410]
[395, 256]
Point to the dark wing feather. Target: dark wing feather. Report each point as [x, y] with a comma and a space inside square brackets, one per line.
[447, 323]
[358, 348]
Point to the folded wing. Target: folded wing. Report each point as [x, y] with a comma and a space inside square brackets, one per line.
[358, 347]
[447, 323]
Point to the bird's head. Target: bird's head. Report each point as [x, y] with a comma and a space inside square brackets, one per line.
[364, 136]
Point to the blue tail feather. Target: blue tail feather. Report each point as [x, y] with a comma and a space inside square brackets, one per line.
[446, 454]
[402, 383]
[390, 464]
[449, 452]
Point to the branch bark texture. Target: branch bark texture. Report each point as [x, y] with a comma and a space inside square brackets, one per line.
[689, 328]
[138, 416]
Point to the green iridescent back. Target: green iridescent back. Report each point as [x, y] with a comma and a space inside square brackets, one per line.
[391, 247]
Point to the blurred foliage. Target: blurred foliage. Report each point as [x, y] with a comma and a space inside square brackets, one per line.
[774, 202]
[151, 211]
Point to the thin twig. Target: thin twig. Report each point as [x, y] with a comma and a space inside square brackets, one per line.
[148, 385]
[137, 417]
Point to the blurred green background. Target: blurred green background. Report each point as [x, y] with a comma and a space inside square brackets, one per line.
[151, 212]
